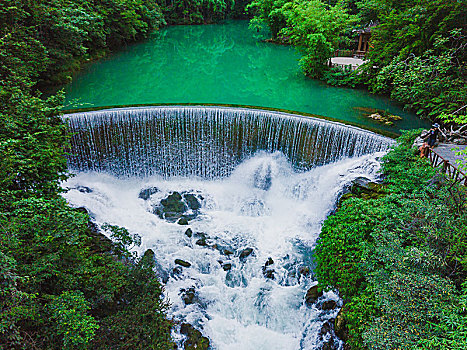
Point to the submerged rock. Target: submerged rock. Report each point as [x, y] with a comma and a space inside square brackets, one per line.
[312, 295]
[194, 340]
[268, 271]
[245, 253]
[147, 192]
[84, 189]
[329, 305]
[189, 296]
[182, 263]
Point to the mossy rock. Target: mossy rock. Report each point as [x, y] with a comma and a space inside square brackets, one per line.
[195, 340]
[312, 295]
[182, 263]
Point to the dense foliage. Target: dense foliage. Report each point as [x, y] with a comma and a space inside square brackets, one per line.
[417, 49]
[313, 26]
[400, 261]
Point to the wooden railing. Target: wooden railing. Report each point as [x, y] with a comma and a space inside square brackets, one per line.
[446, 167]
[349, 53]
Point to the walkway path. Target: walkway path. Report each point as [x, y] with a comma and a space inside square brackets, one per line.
[346, 61]
[445, 151]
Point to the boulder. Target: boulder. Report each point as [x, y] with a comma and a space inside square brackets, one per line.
[191, 200]
[340, 327]
[228, 252]
[227, 266]
[312, 295]
[172, 207]
[245, 253]
[147, 192]
[189, 295]
[194, 338]
[182, 263]
[201, 242]
[268, 271]
[202, 239]
[329, 305]
[304, 270]
[189, 232]
[182, 221]
[327, 335]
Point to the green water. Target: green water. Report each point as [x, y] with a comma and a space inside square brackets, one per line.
[224, 64]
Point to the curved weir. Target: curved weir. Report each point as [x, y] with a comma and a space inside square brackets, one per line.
[206, 141]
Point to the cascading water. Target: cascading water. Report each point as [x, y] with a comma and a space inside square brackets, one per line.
[254, 214]
[206, 141]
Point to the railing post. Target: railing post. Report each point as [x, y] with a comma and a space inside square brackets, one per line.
[445, 166]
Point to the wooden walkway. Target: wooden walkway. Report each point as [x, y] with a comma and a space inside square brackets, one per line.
[444, 158]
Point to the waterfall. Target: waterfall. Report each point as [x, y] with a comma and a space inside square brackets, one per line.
[254, 187]
[207, 142]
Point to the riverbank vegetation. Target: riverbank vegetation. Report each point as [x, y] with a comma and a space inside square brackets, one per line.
[400, 261]
[417, 49]
[62, 284]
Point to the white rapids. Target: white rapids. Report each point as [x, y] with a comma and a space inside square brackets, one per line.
[264, 205]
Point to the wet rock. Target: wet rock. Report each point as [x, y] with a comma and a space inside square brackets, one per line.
[191, 200]
[328, 345]
[325, 329]
[84, 189]
[304, 270]
[195, 340]
[182, 221]
[201, 242]
[177, 270]
[202, 239]
[268, 272]
[189, 296]
[189, 232]
[245, 253]
[327, 336]
[228, 252]
[340, 327]
[329, 305]
[147, 192]
[172, 207]
[182, 263]
[227, 266]
[312, 295]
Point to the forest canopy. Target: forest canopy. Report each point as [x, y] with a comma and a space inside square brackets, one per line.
[417, 49]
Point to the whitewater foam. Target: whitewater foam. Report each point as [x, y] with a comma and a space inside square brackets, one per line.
[265, 205]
